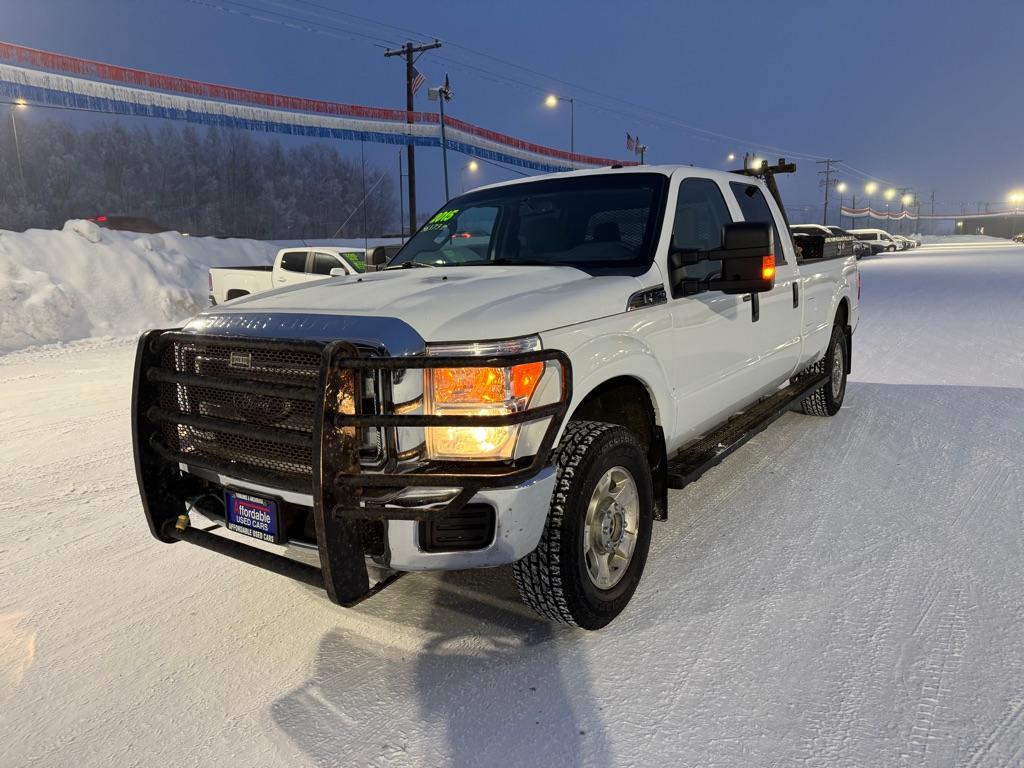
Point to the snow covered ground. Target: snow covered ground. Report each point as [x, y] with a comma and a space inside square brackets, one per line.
[843, 592]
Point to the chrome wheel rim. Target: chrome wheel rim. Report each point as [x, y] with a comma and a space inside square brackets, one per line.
[611, 527]
[837, 372]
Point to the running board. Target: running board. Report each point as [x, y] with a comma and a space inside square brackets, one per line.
[706, 452]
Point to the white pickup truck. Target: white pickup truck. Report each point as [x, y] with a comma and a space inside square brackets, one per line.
[526, 395]
[291, 266]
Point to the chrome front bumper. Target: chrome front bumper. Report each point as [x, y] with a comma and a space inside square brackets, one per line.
[520, 514]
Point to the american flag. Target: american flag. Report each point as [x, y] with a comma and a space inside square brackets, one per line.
[417, 80]
[630, 143]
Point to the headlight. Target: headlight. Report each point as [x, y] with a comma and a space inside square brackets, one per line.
[479, 392]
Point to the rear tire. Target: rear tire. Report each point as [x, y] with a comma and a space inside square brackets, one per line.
[828, 398]
[602, 511]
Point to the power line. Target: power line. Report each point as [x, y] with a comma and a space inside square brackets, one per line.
[652, 115]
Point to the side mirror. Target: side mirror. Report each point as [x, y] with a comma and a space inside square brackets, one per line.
[377, 257]
[339, 272]
[748, 265]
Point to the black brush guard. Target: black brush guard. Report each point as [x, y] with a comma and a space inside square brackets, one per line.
[343, 493]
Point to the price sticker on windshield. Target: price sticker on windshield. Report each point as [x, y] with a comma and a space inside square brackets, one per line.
[440, 219]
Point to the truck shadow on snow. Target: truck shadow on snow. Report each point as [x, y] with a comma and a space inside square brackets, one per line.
[420, 676]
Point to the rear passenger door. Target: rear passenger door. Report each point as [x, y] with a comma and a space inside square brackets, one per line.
[775, 315]
[291, 269]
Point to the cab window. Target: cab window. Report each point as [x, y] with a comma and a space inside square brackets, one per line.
[755, 208]
[294, 261]
[700, 213]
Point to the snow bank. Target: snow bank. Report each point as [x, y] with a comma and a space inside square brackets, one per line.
[86, 281]
[961, 239]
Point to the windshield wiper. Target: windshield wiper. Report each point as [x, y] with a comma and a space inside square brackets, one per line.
[411, 264]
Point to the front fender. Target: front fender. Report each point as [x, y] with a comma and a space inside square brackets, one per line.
[605, 356]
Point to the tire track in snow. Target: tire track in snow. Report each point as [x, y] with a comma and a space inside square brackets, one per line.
[833, 725]
[941, 669]
[1010, 725]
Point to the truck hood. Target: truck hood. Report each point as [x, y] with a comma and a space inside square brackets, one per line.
[454, 303]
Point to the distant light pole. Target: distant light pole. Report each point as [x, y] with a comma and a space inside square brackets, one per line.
[906, 200]
[551, 102]
[441, 94]
[841, 188]
[888, 195]
[1016, 198]
[19, 104]
[870, 189]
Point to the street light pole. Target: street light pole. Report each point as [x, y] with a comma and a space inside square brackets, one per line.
[17, 148]
[551, 102]
[572, 125]
[442, 94]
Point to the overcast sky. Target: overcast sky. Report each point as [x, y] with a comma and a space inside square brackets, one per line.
[920, 94]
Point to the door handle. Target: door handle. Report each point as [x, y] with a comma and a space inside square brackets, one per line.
[280, 279]
[748, 297]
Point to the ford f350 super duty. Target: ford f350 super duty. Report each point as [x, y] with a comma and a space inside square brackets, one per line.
[523, 384]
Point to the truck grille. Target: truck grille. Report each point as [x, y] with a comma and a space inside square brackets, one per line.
[248, 405]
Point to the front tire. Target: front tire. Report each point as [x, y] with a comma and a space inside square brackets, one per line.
[828, 398]
[598, 532]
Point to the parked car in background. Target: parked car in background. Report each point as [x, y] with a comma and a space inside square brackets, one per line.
[1019, 238]
[860, 248]
[291, 267]
[905, 242]
[878, 239]
[138, 224]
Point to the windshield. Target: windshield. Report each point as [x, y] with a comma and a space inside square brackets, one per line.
[601, 224]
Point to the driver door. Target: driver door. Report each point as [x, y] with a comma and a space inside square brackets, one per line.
[710, 340]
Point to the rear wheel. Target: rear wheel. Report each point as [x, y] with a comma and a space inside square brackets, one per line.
[828, 398]
[598, 531]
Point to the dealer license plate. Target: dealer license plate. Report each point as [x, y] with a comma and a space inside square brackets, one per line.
[254, 516]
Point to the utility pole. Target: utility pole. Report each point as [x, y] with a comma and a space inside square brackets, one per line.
[826, 183]
[932, 227]
[408, 51]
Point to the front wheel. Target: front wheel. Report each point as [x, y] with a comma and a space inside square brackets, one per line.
[594, 546]
[828, 398]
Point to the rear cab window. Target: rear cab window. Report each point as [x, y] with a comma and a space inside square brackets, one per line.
[755, 207]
